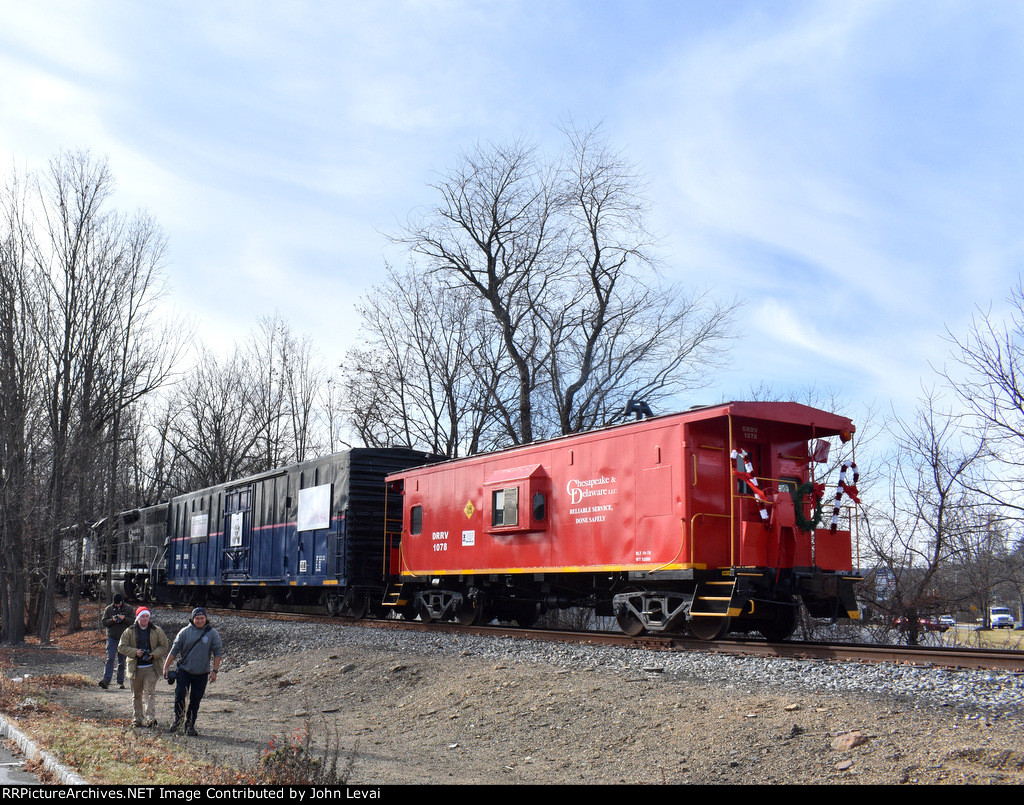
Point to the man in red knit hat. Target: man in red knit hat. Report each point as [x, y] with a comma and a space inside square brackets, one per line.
[145, 645]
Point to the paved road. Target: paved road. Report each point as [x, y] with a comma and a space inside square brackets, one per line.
[11, 772]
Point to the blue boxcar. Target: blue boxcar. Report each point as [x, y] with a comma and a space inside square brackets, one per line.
[308, 534]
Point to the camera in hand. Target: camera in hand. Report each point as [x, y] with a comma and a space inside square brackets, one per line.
[172, 677]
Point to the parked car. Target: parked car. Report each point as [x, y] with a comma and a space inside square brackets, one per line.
[932, 624]
[947, 621]
[1000, 618]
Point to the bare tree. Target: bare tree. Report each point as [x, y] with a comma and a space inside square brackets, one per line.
[926, 517]
[991, 356]
[423, 377]
[614, 331]
[985, 563]
[286, 372]
[76, 263]
[266, 401]
[20, 426]
[158, 463]
[493, 234]
[79, 281]
[302, 375]
[332, 411]
[211, 429]
[142, 350]
[555, 255]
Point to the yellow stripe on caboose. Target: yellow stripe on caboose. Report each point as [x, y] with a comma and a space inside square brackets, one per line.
[565, 569]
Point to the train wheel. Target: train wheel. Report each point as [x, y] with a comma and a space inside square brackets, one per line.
[783, 625]
[424, 614]
[708, 627]
[526, 615]
[357, 606]
[471, 613]
[332, 603]
[408, 612]
[629, 622]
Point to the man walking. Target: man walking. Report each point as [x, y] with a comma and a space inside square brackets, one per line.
[145, 646]
[195, 647]
[116, 618]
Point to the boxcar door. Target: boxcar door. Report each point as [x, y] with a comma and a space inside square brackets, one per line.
[236, 547]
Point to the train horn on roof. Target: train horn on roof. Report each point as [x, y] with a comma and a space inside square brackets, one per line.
[639, 408]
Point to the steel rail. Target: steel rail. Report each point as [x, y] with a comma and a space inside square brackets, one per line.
[949, 657]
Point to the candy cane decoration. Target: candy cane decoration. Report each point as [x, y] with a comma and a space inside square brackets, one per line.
[744, 470]
[846, 488]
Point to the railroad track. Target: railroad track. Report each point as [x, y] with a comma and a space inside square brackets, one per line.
[923, 656]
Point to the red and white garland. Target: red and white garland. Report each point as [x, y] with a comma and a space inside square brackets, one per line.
[847, 488]
[744, 470]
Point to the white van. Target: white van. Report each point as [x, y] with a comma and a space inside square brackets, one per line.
[1000, 617]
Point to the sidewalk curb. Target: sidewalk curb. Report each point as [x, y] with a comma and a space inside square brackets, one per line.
[31, 751]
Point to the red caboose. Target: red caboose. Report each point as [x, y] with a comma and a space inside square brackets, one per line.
[705, 520]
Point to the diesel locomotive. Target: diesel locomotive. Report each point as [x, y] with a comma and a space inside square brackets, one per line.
[130, 546]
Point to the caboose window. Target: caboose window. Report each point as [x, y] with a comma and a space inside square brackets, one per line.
[540, 506]
[742, 488]
[505, 506]
[416, 520]
[789, 485]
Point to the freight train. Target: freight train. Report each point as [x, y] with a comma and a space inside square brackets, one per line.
[702, 522]
[308, 534]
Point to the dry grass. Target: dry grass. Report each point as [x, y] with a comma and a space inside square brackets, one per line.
[972, 637]
[107, 752]
[110, 752]
[114, 752]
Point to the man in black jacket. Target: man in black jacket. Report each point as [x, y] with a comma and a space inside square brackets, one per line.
[116, 618]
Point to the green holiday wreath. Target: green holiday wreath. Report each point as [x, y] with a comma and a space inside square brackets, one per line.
[798, 494]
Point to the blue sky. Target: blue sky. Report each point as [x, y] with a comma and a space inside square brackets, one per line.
[853, 171]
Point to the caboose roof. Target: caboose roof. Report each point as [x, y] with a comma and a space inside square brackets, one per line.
[823, 422]
[819, 423]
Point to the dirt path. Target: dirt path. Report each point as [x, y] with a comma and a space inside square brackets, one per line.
[461, 718]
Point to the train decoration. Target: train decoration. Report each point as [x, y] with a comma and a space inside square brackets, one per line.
[702, 522]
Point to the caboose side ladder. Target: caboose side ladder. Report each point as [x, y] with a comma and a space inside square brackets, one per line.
[709, 612]
[393, 595]
[712, 598]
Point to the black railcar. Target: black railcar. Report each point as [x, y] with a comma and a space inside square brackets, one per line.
[129, 546]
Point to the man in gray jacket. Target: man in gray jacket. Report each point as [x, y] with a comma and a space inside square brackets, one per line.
[195, 647]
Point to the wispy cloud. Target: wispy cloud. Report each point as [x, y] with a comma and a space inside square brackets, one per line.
[852, 170]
